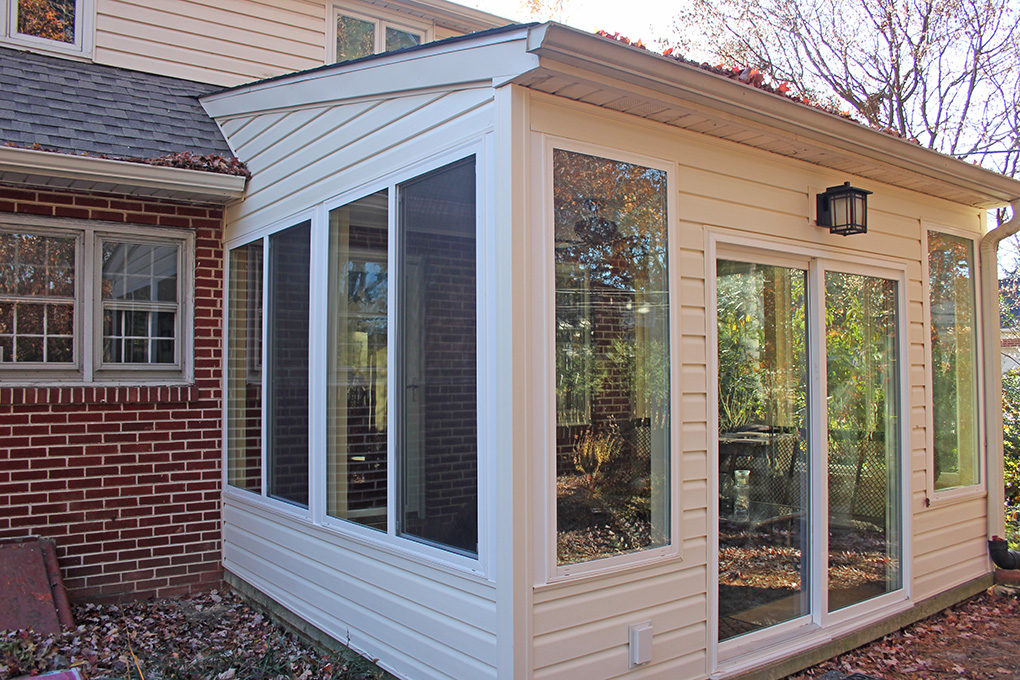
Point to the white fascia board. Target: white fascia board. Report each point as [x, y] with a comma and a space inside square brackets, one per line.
[569, 50]
[458, 64]
[193, 184]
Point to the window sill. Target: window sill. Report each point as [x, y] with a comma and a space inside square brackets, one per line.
[961, 494]
[50, 48]
[99, 394]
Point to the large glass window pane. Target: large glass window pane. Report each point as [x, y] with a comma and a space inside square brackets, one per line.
[50, 19]
[954, 359]
[864, 437]
[397, 39]
[37, 296]
[355, 38]
[612, 357]
[356, 444]
[244, 368]
[764, 459]
[437, 327]
[287, 382]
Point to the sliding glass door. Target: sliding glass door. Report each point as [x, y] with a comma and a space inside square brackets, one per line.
[862, 378]
[764, 457]
[809, 505]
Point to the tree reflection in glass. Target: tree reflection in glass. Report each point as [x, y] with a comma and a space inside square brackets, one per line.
[612, 357]
[863, 422]
[763, 446]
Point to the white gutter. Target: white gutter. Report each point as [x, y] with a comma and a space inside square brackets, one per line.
[993, 368]
[101, 173]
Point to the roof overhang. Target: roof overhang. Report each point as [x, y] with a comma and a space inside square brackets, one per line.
[577, 65]
[613, 75]
[87, 173]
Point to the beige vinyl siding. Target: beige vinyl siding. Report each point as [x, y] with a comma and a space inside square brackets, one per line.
[228, 42]
[225, 43]
[382, 605]
[580, 631]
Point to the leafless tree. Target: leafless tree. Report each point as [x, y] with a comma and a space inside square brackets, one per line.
[943, 72]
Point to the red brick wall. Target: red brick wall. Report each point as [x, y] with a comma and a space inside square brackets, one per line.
[124, 479]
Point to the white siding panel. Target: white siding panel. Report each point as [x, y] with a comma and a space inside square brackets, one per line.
[426, 622]
[306, 157]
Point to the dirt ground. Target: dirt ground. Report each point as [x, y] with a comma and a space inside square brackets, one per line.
[978, 638]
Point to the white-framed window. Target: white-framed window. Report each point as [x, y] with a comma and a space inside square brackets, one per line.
[365, 420]
[610, 480]
[92, 302]
[953, 342]
[63, 27]
[357, 30]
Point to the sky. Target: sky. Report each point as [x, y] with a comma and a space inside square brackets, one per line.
[632, 18]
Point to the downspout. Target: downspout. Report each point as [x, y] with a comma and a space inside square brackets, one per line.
[997, 547]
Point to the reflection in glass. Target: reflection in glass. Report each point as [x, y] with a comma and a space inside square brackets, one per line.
[438, 451]
[49, 19]
[954, 359]
[397, 39]
[287, 356]
[139, 291]
[763, 447]
[864, 438]
[357, 401]
[355, 38]
[612, 357]
[244, 368]
[36, 298]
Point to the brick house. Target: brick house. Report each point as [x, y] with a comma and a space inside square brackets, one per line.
[523, 353]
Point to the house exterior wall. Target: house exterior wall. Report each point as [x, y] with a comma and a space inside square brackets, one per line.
[421, 617]
[125, 479]
[224, 43]
[579, 627]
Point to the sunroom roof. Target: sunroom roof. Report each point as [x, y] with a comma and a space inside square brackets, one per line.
[570, 63]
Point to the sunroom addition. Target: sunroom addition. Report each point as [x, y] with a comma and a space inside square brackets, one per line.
[538, 365]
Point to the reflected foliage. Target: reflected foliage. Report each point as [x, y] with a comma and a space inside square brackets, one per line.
[612, 356]
[50, 19]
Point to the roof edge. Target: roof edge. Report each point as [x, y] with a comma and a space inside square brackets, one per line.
[611, 59]
[168, 181]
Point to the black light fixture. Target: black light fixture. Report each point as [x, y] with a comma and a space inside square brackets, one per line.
[844, 210]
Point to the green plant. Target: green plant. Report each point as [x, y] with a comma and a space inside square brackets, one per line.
[1011, 435]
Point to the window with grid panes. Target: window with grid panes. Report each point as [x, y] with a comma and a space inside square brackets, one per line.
[81, 304]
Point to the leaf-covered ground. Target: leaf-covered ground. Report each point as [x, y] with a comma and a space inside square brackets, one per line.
[977, 639]
[210, 636]
[216, 636]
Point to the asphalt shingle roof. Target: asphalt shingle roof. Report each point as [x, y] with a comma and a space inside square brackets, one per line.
[77, 107]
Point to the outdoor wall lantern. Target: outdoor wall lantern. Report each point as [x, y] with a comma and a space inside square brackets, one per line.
[844, 210]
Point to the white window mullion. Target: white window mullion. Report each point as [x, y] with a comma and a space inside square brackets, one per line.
[318, 303]
[393, 368]
[818, 463]
[264, 468]
[87, 284]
